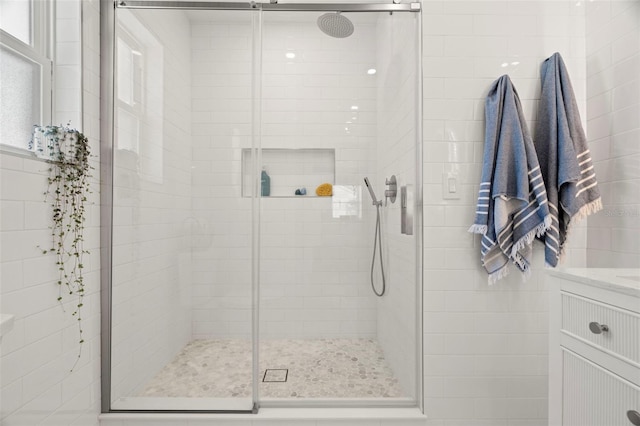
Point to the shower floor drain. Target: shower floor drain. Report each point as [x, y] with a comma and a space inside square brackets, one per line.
[276, 375]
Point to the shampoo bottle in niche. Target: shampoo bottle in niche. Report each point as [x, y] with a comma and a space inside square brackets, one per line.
[265, 183]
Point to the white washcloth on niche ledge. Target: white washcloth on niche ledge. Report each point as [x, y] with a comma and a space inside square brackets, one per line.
[564, 157]
[512, 204]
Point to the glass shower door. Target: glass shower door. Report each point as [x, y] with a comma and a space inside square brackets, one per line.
[240, 142]
[339, 104]
[182, 284]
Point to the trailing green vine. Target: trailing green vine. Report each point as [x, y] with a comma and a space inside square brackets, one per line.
[68, 154]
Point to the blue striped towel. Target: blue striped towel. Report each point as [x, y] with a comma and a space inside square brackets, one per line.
[562, 149]
[512, 202]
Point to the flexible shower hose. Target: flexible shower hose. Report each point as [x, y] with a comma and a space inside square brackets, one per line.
[377, 240]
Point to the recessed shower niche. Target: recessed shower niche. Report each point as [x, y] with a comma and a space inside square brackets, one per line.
[290, 170]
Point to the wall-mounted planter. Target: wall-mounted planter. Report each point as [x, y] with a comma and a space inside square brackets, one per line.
[57, 143]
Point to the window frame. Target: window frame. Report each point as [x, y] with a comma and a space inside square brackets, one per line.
[39, 52]
[135, 108]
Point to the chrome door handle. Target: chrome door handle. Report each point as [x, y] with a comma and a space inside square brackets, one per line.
[597, 328]
[634, 417]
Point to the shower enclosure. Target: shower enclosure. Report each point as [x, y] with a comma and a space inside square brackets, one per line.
[217, 296]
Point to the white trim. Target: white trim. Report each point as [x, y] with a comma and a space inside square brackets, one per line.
[167, 403]
[275, 414]
[39, 52]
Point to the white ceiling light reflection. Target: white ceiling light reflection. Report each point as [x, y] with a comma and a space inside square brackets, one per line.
[371, 71]
[354, 107]
[290, 55]
[513, 64]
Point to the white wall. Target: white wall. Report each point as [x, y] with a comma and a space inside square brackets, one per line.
[397, 66]
[314, 280]
[152, 203]
[221, 126]
[485, 348]
[613, 111]
[314, 267]
[68, 65]
[37, 386]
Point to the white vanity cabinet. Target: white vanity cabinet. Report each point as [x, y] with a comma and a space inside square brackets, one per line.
[594, 364]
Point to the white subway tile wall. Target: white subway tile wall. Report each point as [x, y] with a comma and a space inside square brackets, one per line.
[613, 111]
[37, 386]
[68, 65]
[221, 105]
[485, 347]
[316, 94]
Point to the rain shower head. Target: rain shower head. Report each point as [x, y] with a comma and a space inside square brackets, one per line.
[335, 25]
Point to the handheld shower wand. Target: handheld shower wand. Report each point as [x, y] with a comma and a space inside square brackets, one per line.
[373, 195]
[377, 240]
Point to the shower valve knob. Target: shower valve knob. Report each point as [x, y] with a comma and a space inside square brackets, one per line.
[392, 189]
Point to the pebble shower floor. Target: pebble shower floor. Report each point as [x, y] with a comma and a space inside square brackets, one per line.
[322, 368]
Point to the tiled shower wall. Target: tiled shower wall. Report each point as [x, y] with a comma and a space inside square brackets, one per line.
[485, 347]
[613, 111]
[151, 318]
[397, 67]
[314, 266]
[36, 384]
[314, 257]
[221, 127]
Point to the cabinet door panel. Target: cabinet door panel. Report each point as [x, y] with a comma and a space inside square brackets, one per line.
[594, 396]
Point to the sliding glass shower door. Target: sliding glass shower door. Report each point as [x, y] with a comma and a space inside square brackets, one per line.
[338, 105]
[238, 234]
[182, 291]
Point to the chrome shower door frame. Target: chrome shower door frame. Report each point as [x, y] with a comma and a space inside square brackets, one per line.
[107, 100]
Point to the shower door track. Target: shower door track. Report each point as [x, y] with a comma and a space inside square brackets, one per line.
[308, 7]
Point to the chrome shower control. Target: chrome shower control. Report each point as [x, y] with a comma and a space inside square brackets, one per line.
[406, 209]
[597, 328]
[392, 189]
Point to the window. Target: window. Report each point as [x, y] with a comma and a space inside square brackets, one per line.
[25, 69]
[129, 89]
[139, 103]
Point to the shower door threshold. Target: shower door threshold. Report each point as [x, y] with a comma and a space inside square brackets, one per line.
[344, 403]
[270, 416]
[159, 404]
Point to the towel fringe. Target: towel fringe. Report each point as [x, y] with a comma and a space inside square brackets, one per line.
[528, 238]
[478, 229]
[586, 210]
[498, 275]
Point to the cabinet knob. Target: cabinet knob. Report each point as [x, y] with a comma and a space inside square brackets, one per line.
[597, 328]
[634, 417]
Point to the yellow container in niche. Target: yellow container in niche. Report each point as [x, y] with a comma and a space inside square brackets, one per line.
[324, 190]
